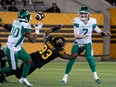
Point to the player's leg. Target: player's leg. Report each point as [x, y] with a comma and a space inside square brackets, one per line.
[12, 61]
[27, 63]
[3, 62]
[2, 79]
[75, 49]
[91, 61]
[33, 67]
[19, 71]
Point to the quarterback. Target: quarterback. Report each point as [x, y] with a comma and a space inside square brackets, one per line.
[83, 27]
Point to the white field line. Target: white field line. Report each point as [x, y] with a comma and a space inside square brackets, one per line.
[55, 62]
[50, 69]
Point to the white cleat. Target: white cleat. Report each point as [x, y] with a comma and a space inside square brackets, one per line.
[63, 81]
[24, 81]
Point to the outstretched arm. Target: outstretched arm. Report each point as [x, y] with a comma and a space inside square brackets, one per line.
[46, 33]
[6, 26]
[32, 37]
[102, 33]
[68, 56]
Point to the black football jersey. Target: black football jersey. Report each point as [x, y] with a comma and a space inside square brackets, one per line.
[48, 53]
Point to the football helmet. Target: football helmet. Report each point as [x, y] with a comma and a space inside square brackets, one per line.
[24, 15]
[58, 41]
[84, 13]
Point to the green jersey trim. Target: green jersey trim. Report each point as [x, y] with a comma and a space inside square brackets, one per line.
[76, 25]
[94, 26]
[22, 35]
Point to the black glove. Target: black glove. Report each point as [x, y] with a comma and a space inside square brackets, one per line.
[81, 49]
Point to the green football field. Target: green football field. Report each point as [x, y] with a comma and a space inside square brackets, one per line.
[80, 76]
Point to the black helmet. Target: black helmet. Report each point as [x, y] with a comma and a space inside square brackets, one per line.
[58, 41]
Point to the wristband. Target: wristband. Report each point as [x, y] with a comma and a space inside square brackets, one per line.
[103, 34]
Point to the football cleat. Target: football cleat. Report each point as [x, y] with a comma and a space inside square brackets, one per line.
[24, 81]
[98, 81]
[63, 81]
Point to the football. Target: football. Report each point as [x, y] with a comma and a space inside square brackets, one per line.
[40, 16]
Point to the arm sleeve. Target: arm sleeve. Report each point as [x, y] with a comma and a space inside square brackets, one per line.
[95, 26]
[26, 27]
[97, 29]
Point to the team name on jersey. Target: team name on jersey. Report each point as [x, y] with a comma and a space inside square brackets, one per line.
[50, 45]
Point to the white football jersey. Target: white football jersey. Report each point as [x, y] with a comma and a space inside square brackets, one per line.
[84, 29]
[17, 35]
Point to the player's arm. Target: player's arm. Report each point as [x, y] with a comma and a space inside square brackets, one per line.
[32, 37]
[47, 32]
[76, 32]
[5, 26]
[68, 56]
[102, 33]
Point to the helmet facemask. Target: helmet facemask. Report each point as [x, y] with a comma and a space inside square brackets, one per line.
[59, 41]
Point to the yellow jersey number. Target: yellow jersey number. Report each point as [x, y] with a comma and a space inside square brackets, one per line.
[47, 51]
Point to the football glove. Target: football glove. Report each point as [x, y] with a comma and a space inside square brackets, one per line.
[81, 49]
[2, 47]
[38, 27]
[105, 33]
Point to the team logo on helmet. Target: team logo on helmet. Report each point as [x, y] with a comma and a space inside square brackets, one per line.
[59, 41]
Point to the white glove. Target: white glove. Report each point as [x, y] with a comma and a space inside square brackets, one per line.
[3, 47]
[38, 27]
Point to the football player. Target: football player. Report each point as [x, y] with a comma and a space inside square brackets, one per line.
[19, 31]
[83, 27]
[2, 61]
[53, 47]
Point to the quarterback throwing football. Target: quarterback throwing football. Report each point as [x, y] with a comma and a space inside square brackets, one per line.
[83, 27]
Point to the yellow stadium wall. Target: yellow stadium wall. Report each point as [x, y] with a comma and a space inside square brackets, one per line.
[113, 29]
[53, 19]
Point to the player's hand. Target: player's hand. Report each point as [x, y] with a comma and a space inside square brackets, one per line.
[38, 27]
[108, 33]
[85, 36]
[2, 47]
[81, 49]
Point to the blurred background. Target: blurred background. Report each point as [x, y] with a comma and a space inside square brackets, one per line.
[62, 12]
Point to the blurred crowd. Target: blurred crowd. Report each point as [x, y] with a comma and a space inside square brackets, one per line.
[112, 2]
[12, 5]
